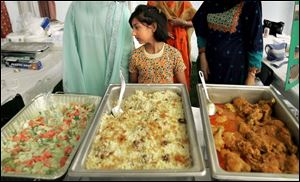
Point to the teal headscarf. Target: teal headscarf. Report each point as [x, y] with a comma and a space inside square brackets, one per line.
[97, 45]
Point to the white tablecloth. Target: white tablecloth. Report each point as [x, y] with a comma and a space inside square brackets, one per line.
[30, 83]
[291, 95]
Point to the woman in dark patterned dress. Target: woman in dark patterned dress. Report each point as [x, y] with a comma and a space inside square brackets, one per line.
[229, 37]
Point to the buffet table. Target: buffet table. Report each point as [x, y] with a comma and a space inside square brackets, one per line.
[199, 129]
[30, 83]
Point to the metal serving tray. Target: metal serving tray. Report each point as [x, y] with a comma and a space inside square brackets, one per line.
[41, 103]
[78, 169]
[225, 94]
[25, 47]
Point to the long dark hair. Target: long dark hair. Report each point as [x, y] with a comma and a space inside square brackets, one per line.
[150, 14]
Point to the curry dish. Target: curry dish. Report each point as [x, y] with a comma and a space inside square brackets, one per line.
[249, 139]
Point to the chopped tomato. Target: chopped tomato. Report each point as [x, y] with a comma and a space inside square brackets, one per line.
[23, 137]
[36, 122]
[47, 154]
[8, 169]
[29, 163]
[48, 134]
[76, 113]
[31, 124]
[78, 137]
[65, 137]
[69, 115]
[37, 158]
[67, 121]
[68, 150]
[46, 163]
[63, 161]
[41, 119]
[20, 137]
[213, 119]
[16, 150]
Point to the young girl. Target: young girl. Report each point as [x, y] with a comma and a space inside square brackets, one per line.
[155, 61]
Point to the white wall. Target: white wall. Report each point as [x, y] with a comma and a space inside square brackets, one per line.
[62, 9]
[279, 11]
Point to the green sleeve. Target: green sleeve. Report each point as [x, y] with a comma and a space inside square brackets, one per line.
[255, 59]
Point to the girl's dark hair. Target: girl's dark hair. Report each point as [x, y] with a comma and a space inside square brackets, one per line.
[150, 14]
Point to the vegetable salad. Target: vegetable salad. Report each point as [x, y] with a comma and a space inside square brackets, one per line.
[44, 143]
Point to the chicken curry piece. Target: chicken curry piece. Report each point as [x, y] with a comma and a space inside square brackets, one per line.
[249, 139]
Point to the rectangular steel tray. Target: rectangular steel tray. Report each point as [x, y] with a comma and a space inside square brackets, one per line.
[225, 94]
[41, 103]
[78, 169]
[25, 47]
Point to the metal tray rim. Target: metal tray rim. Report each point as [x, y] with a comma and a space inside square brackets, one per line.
[216, 171]
[63, 170]
[75, 170]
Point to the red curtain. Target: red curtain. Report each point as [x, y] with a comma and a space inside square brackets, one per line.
[5, 21]
[48, 9]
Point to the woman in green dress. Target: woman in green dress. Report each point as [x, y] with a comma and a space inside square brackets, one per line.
[97, 45]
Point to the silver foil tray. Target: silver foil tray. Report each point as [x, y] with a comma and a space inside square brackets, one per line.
[26, 47]
[42, 103]
[78, 169]
[225, 94]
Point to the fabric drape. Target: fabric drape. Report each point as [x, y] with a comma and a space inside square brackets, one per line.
[47, 9]
[182, 35]
[29, 7]
[97, 44]
[5, 21]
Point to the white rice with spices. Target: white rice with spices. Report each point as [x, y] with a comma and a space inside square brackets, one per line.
[150, 134]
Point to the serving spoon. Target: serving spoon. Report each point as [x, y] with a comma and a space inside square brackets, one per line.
[117, 111]
[211, 107]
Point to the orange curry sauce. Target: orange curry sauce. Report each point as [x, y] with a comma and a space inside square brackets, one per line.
[231, 124]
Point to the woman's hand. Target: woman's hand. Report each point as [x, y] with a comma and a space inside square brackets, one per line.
[204, 65]
[178, 22]
[250, 80]
[171, 35]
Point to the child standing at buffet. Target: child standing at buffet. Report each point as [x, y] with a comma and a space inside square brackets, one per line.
[155, 61]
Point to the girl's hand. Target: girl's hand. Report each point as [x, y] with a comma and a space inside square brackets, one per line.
[204, 65]
[250, 79]
[180, 76]
[133, 77]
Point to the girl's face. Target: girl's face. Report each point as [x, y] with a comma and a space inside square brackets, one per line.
[142, 32]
